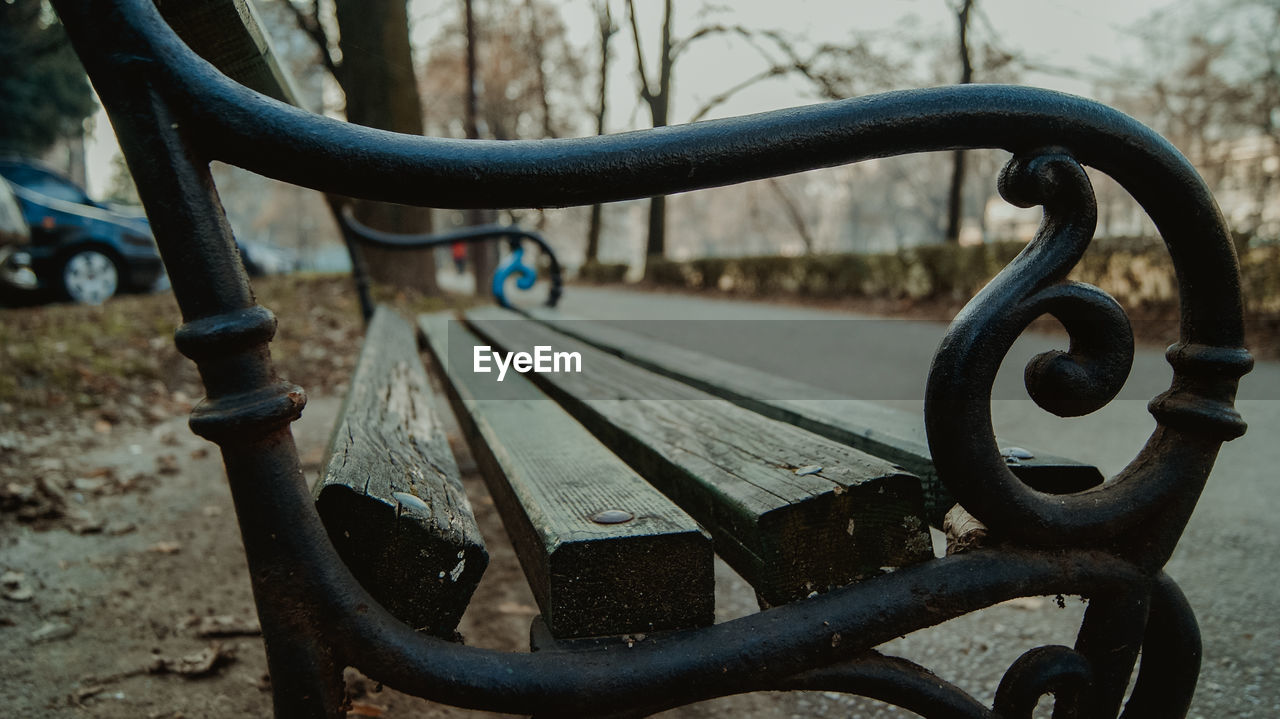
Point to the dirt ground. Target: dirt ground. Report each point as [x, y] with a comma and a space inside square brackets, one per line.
[129, 597]
[127, 594]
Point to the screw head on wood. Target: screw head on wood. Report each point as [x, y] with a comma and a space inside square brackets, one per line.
[612, 516]
[412, 503]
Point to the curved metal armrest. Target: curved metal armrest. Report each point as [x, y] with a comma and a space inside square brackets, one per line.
[353, 229]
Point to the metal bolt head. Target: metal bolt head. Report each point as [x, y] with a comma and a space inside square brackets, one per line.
[612, 516]
[412, 503]
[1016, 453]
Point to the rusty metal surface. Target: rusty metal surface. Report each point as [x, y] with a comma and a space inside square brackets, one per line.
[174, 113]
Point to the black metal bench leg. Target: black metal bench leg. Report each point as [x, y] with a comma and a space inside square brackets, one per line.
[248, 408]
[1110, 639]
[306, 672]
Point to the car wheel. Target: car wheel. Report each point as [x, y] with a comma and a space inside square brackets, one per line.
[90, 277]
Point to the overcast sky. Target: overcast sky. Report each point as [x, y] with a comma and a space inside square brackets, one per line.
[1077, 35]
[1082, 36]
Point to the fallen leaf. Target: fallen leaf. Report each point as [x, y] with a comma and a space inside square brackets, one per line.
[15, 586]
[516, 608]
[51, 632]
[1026, 603]
[194, 665]
[51, 464]
[88, 484]
[222, 625]
[82, 522]
[361, 709]
[87, 692]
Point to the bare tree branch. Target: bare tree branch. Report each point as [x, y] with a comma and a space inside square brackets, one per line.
[662, 106]
[645, 92]
[682, 44]
[723, 97]
[309, 22]
[793, 214]
[539, 70]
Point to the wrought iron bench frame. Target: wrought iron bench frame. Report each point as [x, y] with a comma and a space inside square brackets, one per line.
[357, 235]
[174, 113]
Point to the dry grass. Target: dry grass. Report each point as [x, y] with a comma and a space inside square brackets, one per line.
[117, 362]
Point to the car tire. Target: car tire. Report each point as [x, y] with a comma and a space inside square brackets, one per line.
[90, 276]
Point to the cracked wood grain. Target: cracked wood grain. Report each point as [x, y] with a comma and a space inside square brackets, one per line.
[390, 495]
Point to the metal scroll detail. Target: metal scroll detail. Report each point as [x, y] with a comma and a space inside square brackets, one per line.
[1130, 510]
[360, 233]
[526, 275]
[1088, 376]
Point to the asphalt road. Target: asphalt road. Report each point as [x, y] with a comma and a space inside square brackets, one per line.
[1225, 562]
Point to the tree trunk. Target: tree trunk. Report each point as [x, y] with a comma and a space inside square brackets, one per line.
[377, 77]
[484, 255]
[607, 29]
[659, 102]
[594, 224]
[955, 197]
[655, 245]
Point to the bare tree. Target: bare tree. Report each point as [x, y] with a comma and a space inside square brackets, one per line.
[376, 75]
[1211, 84]
[606, 29]
[528, 77]
[955, 197]
[484, 255]
[782, 57]
[657, 96]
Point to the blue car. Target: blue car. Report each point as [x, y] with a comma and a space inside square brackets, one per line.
[84, 250]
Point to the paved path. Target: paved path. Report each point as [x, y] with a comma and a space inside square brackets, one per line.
[1225, 562]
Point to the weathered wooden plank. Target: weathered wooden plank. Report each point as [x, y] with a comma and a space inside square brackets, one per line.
[390, 495]
[894, 435]
[550, 480]
[791, 511]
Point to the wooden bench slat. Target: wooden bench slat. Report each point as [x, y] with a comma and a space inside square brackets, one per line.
[788, 531]
[549, 477]
[390, 495]
[891, 434]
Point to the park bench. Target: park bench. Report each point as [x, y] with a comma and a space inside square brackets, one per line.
[617, 483]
